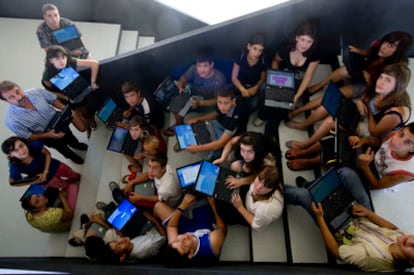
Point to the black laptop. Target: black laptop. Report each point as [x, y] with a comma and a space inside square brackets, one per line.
[24, 180]
[198, 133]
[60, 121]
[187, 175]
[146, 188]
[68, 37]
[110, 113]
[353, 62]
[170, 97]
[280, 89]
[118, 139]
[71, 84]
[211, 180]
[336, 201]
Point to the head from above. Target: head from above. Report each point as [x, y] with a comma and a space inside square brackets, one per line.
[204, 62]
[51, 16]
[17, 149]
[395, 46]
[96, 249]
[121, 247]
[251, 149]
[35, 203]
[57, 58]
[256, 45]
[305, 38]
[226, 100]
[13, 94]
[185, 244]
[402, 142]
[138, 128]
[157, 166]
[131, 93]
[403, 252]
[267, 182]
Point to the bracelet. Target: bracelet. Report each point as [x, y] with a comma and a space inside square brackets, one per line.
[180, 209]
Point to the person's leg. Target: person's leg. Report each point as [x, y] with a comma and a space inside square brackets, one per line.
[314, 103]
[298, 196]
[302, 153]
[62, 147]
[353, 184]
[72, 194]
[318, 114]
[304, 163]
[272, 126]
[339, 74]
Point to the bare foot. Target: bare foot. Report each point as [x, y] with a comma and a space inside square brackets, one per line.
[300, 164]
[296, 125]
[296, 153]
[294, 144]
[315, 88]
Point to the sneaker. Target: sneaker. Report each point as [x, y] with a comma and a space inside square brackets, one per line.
[176, 148]
[80, 146]
[258, 122]
[74, 242]
[100, 205]
[113, 185]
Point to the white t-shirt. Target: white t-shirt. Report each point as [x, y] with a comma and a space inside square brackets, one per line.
[388, 164]
[168, 188]
[147, 245]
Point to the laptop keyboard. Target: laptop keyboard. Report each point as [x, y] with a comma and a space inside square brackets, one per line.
[347, 155]
[277, 94]
[179, 102]
[336, 203]
[203, 135]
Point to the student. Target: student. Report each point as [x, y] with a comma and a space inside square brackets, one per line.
[33, 159]
[165, 181]
[392, 48]
[229, 118]
[299, 57]
[394, 162]
[41, 213]
[386, 105]
[58, 58]
[30, 112]
[192, 241]
[205, 80]
[142, 105]
[249, 71]
[53, 21]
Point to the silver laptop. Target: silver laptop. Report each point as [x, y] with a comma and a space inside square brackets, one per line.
[280, 89]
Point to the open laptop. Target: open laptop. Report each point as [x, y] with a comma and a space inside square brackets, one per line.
[68, 37]
[211, 180]
[145, 188]
[122, 214]
[24, 180]
[336, 201]
[353, 62]
[280, 89]
[110, 113]
[198, 133]
[169, 96]
[117, 140]
[60, 121]
[71, 84]
[187, 175]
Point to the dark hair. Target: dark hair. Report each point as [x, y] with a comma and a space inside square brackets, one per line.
[9, 145]
[404, 40]
[143, 124]
[26, 204]
[170, 257]
[47, 7]
[226, 92]
[258, 39]
[129, 86]
[97, 250]
[271, 179]
[399, 96]
[6, 86]
[160, 158]
[53, 52]
[309, 29]
[257, 141]
[51, 193]
[205, 54]
[410, 127]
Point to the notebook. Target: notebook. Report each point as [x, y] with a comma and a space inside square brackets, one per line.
[198, 133]
[60, 121]
[71, 84]
[110, 113]
[187, 175]
[353, 62]
[33, 189]
[280, 89]
[118, 139]
[68, 37]
[122, 214]
[146, 188]
[211, 181]
[336, 201]
[169, 96]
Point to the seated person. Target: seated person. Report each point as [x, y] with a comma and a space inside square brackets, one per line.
[165, 180]
[205, 80]
[229, 118]
[248, 153]
[33, 159]
[143, 105]
[249, 71]
[394, 162]
[260, 206]
[49, 212]
[52, 22]
[29, 114]
[192, 241]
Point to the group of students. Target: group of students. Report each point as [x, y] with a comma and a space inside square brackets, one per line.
[186, 228]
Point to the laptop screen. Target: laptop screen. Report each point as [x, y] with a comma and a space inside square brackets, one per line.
[187, 175]
[117, 140]
[185, 135]
[325, 186]
[65, 77]
[281, 79]
[65, 34]
[332, 99]
[207, 178]
[122, 214]
[107, 110]
[166, 91]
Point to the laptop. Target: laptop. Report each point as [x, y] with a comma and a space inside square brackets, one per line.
[211, 180]
[68, 37]
[118, 139]
[145, 188]
[110, 113]
[71, 84]
[122, 214]
[187, 175]
[198, 133]
[353, 62]
[280, 89]
[170, 97]
[60, 121]
[336, 150]
[33, 189]
[99, 229]
[336, 201]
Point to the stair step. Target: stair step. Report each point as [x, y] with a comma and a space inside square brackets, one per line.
[144, 41]
[128, 41]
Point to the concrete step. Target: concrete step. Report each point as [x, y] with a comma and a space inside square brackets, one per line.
[128, 41]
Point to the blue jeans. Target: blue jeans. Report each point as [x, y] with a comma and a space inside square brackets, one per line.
[352, 182]
[219, 131]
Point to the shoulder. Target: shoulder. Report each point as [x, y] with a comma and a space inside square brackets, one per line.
[65, 22]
